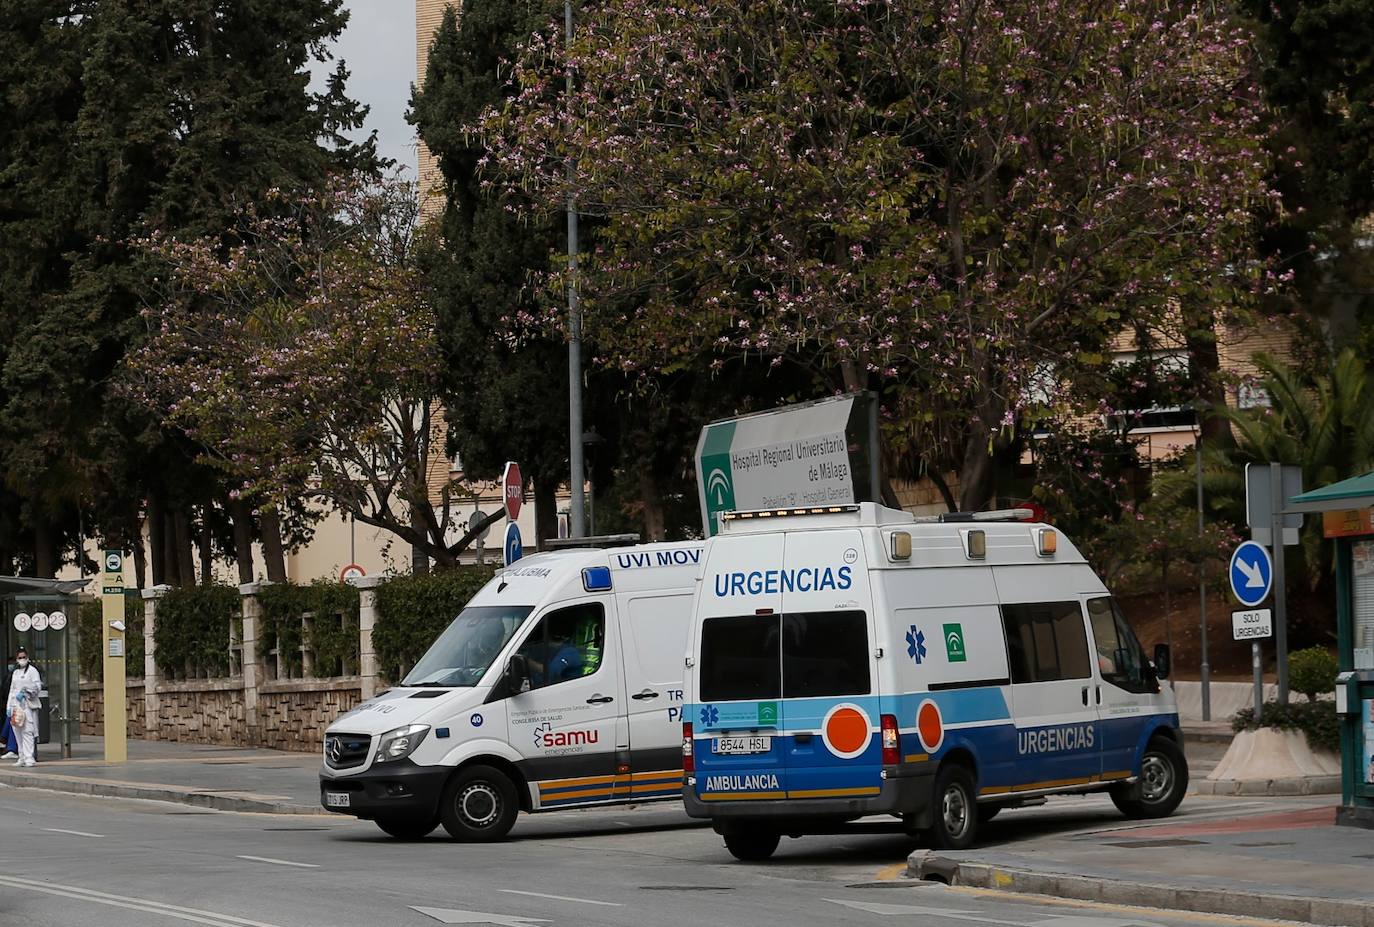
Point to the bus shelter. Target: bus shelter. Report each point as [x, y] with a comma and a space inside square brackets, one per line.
[1347, 510]
[42, 616]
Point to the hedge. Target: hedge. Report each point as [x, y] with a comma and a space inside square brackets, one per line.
[1317, 720]
[334, 642]
[90, 642]
[192, 632]
[413, 610]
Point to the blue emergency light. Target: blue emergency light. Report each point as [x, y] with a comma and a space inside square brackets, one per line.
[596, 579]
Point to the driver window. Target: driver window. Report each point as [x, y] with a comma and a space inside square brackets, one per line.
[1119, 657]
[567, 644]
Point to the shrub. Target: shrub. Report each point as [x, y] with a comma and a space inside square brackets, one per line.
[192, 633]
[1316, 719]
[333, 632]
[413, 610]
[1312, 671]
[90, 644]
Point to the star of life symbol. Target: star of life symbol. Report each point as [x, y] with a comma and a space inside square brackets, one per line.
[916, 645]
[710, 715]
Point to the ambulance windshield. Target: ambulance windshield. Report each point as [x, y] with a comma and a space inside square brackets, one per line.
[466, 649]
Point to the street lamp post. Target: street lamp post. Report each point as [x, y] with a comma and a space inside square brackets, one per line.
[1206, 667]
[577, 510]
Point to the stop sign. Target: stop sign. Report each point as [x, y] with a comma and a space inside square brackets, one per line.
[512, 489]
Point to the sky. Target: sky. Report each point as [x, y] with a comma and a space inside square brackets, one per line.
[379, 48]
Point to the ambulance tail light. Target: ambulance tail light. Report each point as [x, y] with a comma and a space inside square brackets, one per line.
[688, 761]
[892, 750]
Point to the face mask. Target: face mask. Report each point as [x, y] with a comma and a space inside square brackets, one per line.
[22, 662]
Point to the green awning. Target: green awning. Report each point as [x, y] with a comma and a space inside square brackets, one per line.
[1354, 493]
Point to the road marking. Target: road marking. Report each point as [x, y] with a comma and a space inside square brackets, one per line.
[134, 904]
[451, 916]
[279, 862]
[891, 873]
[74, 833]
[906, 910]
[609, 904]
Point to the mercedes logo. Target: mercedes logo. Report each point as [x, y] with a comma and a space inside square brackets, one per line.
[333, 749]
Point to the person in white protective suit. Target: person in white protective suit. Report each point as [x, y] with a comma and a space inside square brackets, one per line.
[25, 684]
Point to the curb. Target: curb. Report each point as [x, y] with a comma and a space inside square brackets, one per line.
[1305, 785]
[925, 864]
[215, 800]
[1206, 737]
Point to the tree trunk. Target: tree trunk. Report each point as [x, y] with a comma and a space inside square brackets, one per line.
[157, 541]
[545, 511]
[419, 560]
[273, 553]
[185, 552]
[242, 516]
[140, 554]
[45, 553]
[1204, 366]
[170, 561]
[652, 500]
[207, 545]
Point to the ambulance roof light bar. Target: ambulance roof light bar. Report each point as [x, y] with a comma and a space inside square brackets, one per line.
[605, 540]
[786, 513]
[994, 515]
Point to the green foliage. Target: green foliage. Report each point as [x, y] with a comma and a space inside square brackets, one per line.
[333, 628]
[192, 633]
[90, 644]
[1312, 672]
[1317, 720]
[413, 610]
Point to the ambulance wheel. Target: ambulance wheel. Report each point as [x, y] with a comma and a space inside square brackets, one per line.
[752, 846]
[956, 809]
[479, 805]
[1163, 780]
[407, 828]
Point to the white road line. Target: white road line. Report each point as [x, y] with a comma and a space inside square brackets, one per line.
[134, 904]
[608, 904]
[74, 833]
[279, 862]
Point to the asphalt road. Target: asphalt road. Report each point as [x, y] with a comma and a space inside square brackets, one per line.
[71, 862]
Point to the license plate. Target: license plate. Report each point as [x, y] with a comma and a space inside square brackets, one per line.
[336, 799]
[741, 744]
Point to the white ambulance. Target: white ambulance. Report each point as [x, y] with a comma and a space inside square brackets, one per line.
[856, 660]
[558, 686]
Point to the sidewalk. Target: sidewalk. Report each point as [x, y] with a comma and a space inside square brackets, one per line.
[1270, 859]
[224, 778]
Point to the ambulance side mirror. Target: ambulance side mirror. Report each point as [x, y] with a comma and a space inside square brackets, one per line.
[1162, 661]
[517, 675]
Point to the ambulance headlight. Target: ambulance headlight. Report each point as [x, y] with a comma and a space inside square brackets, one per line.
[401, 743]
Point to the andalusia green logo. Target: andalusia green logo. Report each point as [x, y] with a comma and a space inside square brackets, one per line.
[717, 482]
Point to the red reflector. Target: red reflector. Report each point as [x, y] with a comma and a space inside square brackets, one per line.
[688, 762]
[892, 747]
[763, 611]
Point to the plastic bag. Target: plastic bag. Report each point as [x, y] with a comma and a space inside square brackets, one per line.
[17, 717]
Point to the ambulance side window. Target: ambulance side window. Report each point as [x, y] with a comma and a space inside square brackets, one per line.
[1120, 659]
[1046, 641]
[825, 653]
[739, 658]
[567, 644]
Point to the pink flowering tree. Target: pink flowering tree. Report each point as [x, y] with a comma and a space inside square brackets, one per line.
[302, 359]
[958, 203]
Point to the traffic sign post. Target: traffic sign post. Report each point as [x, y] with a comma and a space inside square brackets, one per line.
[514, 548]
[112, 639]
[1276, 498]
[512, 490]
[1254, 625]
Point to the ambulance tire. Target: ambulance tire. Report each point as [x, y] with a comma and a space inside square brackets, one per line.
[407, 828]
[752, 846]
[956, 810]
[479, 805]
[1163, 780]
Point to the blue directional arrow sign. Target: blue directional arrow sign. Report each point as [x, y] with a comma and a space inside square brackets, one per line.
[514, 548]
[1252, 573]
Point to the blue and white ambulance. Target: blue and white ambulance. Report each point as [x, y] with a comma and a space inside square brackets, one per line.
[558, 686]
[856, 660]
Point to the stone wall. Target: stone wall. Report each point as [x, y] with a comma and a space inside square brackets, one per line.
[295, 713]
[93, 709]
[203, 711]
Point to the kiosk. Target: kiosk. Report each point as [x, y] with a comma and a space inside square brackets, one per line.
[1347, 510]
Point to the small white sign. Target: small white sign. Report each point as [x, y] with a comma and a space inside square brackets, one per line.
[40, 621]
[22, 621]
[116, 647]
[1252, 624]
[114, 561]
[57, 621]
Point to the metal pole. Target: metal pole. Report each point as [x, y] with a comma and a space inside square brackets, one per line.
[1202, 590]
[578, 521]
[1280, 593]
[875, 462]
[1259, 679]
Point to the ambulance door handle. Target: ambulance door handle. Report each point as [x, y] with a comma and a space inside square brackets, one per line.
[1085, 696]
[641, 696]
[603, 699]
[1099, 694]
